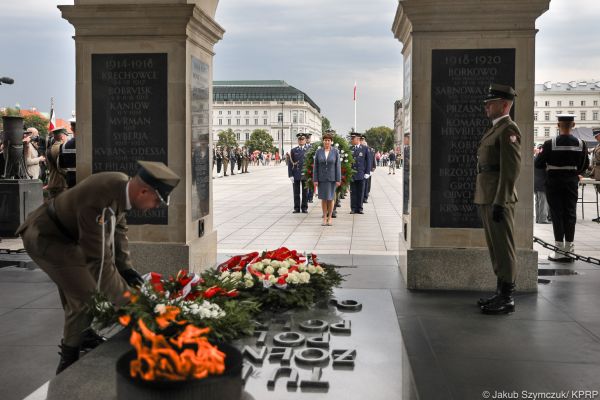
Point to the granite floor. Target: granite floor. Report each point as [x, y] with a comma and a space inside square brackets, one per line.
[551, 343]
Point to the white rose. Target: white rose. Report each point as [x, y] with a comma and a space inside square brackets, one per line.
[304, 277]
[269, 270]
[302, 267]
[237, 275]
[292, 278]
[275, 263]
[266, 261]
[248, 283]
[311, 269]
[285, 264]
[320, 270]
[248, 276]
[224, 275]
[282, 271]
[160, 309]
[272, 279]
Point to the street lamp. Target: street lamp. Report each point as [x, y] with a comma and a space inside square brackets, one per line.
[281, 153]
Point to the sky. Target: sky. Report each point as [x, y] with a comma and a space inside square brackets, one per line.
[318, 46]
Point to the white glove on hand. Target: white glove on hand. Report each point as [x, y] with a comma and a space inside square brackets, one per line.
[367, 176]
[292, 179]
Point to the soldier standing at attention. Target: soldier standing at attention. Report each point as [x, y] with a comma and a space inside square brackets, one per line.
[219, 160]
[498, 166]
[595, 166]
[564, 157]
[296, 174]
[362, 168]
[225, 160]
[57, 177]
[80, 240]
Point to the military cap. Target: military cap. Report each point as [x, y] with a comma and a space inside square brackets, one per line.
[499, 92]
[308, 134]
[596, 131]
[565, 117]
[58, 131]
[160, 177]
[363, 136]
[355, 134]
[301, 135]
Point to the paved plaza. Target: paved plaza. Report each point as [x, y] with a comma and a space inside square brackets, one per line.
[551, 343]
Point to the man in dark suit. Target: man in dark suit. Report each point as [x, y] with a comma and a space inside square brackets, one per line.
[79, 238]
[363, 169]
[498, 167]
[296, 175]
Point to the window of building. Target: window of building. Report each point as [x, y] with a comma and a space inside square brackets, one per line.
[559, 103]
[247, 135]
[238, 136]
[279, 117]
[595, 103]
[570, 112]
[265, 112]
[571, 103]
[228, 121]
[547, 132]
[547, 103]
[238, 112]
[547, 116]
[535, 131]
[595, 116]
[220, 112]
[264, 121]
[582, 115]
[302, 117]
[220, 121]
[535, 116]
[583, 103]
[255, 112]
[228, 112]
[295, 117]
[247, 121]
[237, 121]
[558, 112]
[247, 112]
[536, 103]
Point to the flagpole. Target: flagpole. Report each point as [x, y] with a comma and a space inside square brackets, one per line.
[355, 127]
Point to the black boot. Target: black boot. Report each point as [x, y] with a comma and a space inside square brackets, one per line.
[504, 303]
[483, 302]
[91, 340]
[68, 355]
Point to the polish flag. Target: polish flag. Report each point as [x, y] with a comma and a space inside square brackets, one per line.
[354, 91]
[52, 123]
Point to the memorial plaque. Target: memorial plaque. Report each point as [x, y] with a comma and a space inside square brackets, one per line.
[459, 82]
[200, 104]
[129, 117]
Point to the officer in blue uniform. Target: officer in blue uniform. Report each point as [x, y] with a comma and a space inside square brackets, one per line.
[372, 163]
[564, 157]
[296, 174]
[67, 159]
[363, 169]
[308, 145]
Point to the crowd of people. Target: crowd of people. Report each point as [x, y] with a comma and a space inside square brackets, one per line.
[239, 158]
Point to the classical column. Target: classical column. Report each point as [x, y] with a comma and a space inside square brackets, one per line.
[144, 92]
[452, 51]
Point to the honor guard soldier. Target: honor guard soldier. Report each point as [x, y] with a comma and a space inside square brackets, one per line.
[296, 174]
[225, 160]
[498, 166]
[308, 146]
[219, 160]
[57, 177]
[363, 169]
[372, 165]
[67, 157]
[595, 165]
[79, 239]
[564, 157]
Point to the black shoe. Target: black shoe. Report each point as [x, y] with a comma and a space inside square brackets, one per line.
[352, 212]
[337, 204]
[91, 340]
[309, 201]
[68, 356]
[365, 201]
[304, 211]
[334, 215]
[504, 303]
[596, 219]
[360, 212]
[482, 302]
[295, 211]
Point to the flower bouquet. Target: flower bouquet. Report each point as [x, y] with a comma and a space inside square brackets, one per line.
[215, 306]
[280, 279]
[346, 159]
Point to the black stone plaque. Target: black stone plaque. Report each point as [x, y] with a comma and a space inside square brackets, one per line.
[129, 117]
[200, 103]
[459, 82]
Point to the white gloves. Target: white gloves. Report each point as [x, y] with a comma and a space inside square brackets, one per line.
[292, 179]
[367, 176]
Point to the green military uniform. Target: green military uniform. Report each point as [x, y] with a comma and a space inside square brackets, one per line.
[57, 177]
[498, 165]
[66, 242]
[595, 164]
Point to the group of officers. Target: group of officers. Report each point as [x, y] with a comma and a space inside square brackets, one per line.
[224, 157]
[360, 181]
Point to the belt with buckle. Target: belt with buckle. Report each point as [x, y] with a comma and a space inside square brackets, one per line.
[51, 211]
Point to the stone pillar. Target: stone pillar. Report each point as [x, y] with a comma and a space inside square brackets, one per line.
[452, 51]
[144, 92]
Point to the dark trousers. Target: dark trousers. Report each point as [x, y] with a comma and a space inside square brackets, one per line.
[561, 193]
[310, 193]
[219, 162]
[500, 239]
[357, 192]
[367, 188]
[232, 163]
[299, 187]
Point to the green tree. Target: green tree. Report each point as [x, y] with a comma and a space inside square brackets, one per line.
[227, 138]
[38, 122]
[381, 138]
[325, 124]
[260, 140]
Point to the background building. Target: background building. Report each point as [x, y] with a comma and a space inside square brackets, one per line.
[580, 98]
[280, 109]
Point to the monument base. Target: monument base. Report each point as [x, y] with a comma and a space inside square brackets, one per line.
[169, 258]
[462, 269]
[18, 197]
